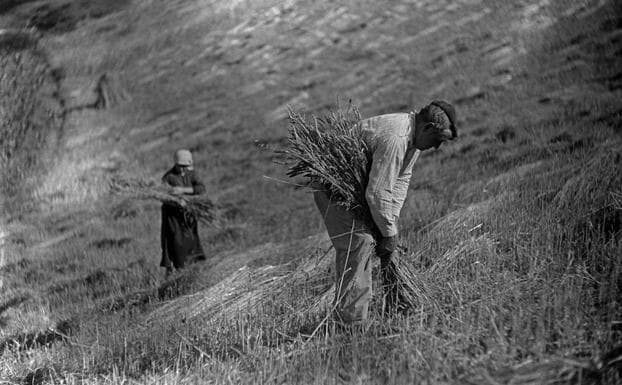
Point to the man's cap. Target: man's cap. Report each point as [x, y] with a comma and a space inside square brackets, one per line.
[450, 111]
[183, 158]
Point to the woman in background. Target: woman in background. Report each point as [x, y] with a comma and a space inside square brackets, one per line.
[179, 233]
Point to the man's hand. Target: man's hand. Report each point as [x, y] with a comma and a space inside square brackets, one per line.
[387, 245]
[386, 250]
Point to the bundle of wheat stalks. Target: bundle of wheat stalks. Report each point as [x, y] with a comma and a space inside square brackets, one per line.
[407, 292]
[331, 151]
[199, 206]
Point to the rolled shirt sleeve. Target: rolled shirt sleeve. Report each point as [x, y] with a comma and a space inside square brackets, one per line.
[387, 163]
[393, 158]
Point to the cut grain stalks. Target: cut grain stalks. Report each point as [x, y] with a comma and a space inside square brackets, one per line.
[463, 256]
[411, 292]
[330, 152]
[197, 206]
[605, 368]
[252, 290]
[589, 202]
[598, 182]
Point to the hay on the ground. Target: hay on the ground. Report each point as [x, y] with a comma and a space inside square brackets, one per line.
[200, 206]
[248, 290]
[589, 202]
[462, 256]
[597, 182]
[605, 368]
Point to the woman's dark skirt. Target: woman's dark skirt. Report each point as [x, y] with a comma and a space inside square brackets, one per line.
[179, 238]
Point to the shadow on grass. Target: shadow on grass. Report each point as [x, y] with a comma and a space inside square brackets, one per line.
[39, 339]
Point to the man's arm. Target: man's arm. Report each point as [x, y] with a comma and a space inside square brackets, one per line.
[386, 165]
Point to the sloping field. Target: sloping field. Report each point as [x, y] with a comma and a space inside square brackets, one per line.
[514, 229]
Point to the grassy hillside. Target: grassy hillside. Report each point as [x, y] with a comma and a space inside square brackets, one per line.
[514, 228]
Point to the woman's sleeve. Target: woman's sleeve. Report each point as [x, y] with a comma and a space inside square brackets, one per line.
[197, 186]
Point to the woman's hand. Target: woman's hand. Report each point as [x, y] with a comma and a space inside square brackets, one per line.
[178, 190]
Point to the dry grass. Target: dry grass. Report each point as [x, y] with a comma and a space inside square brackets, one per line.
[251, 290]
[28, 111]
[598, 181]
[412, 293]
[518, 287]
[330, 150]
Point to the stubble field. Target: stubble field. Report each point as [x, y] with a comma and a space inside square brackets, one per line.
[514, 228]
